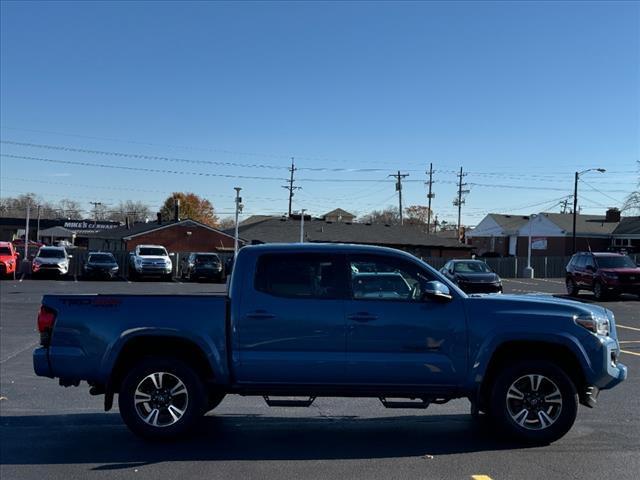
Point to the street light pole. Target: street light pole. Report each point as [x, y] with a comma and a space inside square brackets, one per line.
[238, 208]
[575, 203]
[302, 225]
[529, 271]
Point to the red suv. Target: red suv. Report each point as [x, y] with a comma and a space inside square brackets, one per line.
[8, 259]
[606, 274]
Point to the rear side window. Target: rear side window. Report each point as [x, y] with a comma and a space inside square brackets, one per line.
[301, 276]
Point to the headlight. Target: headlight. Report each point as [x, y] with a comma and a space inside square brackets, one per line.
[597, 325]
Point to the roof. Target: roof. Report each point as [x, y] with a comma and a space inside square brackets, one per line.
[143, 228]
[256, 218]
[628, 226]
[509, 222]
[57, 232]
[287, 230]
[585, 224]
[338, 212]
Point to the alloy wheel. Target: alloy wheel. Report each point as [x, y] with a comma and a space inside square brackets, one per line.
[161, 399]
[534, 402]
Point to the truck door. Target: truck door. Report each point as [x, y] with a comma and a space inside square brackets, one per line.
[291, 327]
[394, 336]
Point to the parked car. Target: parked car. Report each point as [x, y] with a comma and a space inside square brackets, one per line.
[291, 326]
[100, 265]
[150, 261]
[8, 259]
[606, 274]
[202, 266]
[51, 260]
[472, 276]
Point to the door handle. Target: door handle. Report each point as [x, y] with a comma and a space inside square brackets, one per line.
[362, 317]
[260, 315]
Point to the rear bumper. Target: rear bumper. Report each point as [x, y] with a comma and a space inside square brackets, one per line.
[41, 364]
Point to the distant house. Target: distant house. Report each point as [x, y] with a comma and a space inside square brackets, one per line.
[409, 238]
[626, 235]
[551, 233]
[497, 234]
[338, 216]
[177, 236]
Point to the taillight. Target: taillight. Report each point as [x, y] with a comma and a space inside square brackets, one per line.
[46, 319]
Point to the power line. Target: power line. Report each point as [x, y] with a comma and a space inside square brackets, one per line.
[460, 199]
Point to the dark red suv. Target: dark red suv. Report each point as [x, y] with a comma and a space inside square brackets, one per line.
[606, 274]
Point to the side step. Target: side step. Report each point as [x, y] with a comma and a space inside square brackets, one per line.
[288, 403]
[420, 403]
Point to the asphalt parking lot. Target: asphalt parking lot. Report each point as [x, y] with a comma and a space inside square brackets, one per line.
[47, 431]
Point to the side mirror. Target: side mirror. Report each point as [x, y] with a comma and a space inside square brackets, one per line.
[436, 291]
[70, 256]
[172, 254]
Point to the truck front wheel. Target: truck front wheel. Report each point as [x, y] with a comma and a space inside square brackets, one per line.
[534, 401]
[161, 398]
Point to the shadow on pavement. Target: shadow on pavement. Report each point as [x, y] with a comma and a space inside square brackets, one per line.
[103, 439]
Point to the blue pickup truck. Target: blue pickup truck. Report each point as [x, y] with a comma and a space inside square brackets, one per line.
[308, 320]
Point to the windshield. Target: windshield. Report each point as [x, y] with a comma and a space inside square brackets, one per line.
[101, 258]
[153, 251]
[615, 262]
[207, 259]
[5, 251]
[471, 267]
[51, 253]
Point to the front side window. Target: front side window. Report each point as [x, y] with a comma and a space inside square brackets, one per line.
[301, 276]
[386, 278]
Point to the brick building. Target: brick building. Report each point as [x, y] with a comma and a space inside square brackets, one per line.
[176, 236]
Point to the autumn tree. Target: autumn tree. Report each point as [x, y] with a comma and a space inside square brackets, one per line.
[192, 206]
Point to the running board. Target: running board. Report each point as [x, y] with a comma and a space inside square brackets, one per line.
[288, 403]
[421, 403]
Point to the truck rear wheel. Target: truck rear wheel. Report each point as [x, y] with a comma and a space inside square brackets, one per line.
[534, 401]
[161, 398]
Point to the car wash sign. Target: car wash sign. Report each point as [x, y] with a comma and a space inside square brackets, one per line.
[89, 226]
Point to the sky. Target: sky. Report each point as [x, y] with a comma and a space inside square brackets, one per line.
[204, 97]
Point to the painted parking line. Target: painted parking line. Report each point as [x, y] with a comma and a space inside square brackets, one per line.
[629, 341]
[22, 277]
[637, 354]
[480, 477]
[628, 328]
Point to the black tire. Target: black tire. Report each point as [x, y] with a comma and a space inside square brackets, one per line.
[530, 427]
[192, 403]
[598, 290]
[572, 287]
[132, 275]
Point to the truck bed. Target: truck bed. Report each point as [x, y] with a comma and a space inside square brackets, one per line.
[91, 330]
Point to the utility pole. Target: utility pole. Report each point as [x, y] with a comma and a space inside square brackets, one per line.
[575, 202]
[564, 205]
[459, 199]
[290, 187]
[95, 210]
[26, 233]
[302, 225]
[429, 197]
[399, 176]
[38, 227]
[238, 210]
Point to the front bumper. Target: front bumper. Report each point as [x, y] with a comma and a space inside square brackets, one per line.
[49, 268]
[611, 371]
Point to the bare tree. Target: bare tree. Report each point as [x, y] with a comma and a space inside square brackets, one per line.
[388, 216]
[17, 206]
[226, 223]
[136, 210]
[70, 209]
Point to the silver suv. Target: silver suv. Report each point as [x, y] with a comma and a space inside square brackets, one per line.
[53, 260]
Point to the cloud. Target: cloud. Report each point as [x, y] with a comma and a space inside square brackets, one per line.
[64, 174]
